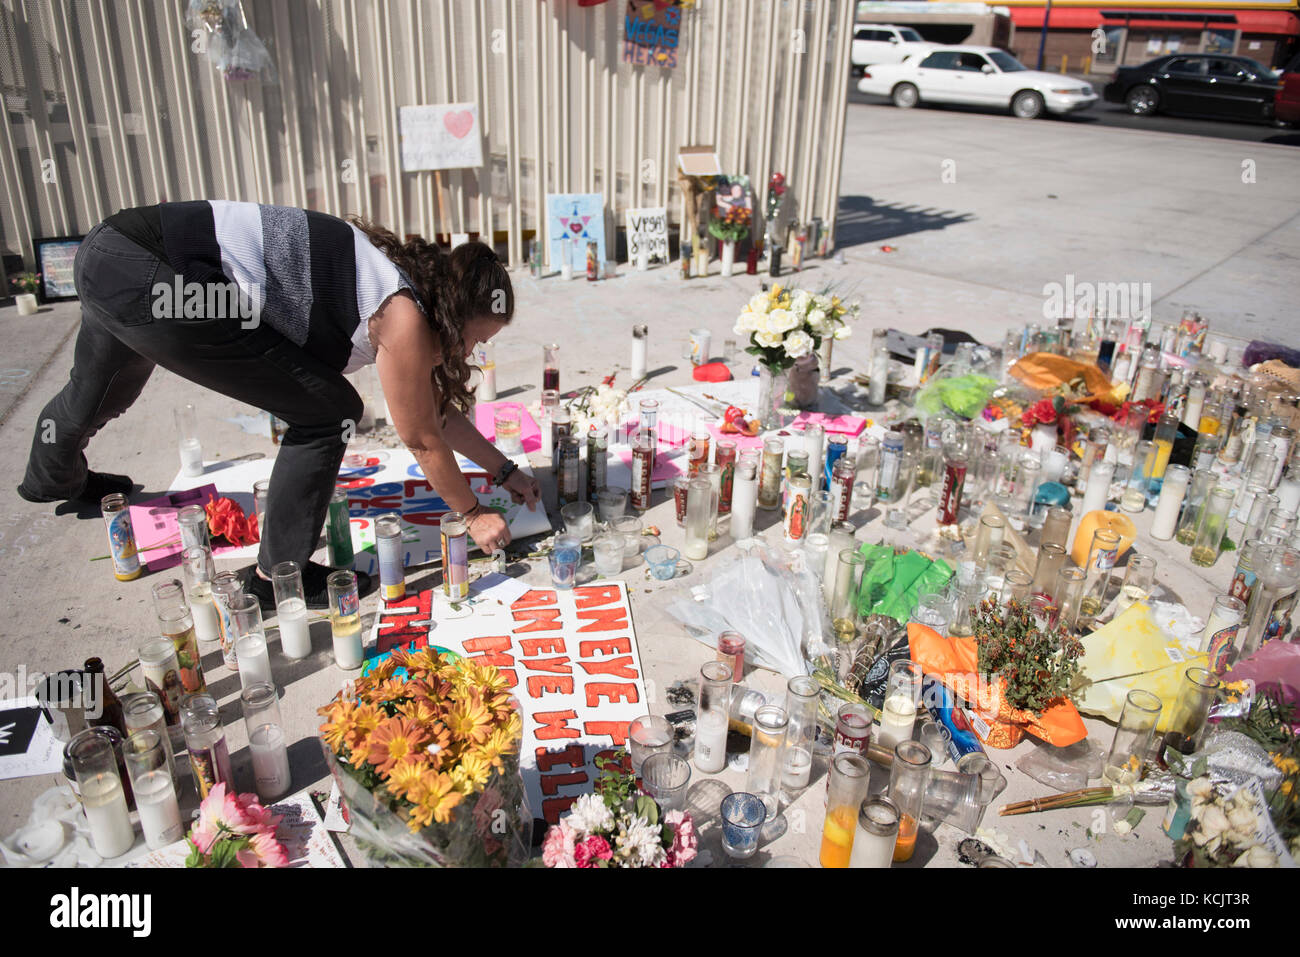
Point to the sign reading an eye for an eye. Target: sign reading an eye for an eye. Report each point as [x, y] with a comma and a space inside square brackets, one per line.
[651, 32]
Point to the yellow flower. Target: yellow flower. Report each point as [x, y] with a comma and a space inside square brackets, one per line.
[1288, 765]
[384, 670]
[388, 691]
[434, 799]
[394, 741]
[473, 772]
[406, 775]
[339, 717]
[469, 720]
[364, 721]
[419, 710]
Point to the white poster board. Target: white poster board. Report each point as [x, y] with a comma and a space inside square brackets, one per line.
[442, 136]
[647, 227]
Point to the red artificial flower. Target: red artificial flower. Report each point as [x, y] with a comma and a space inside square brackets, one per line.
[777, 183]
[227, 520]
[1042, 412]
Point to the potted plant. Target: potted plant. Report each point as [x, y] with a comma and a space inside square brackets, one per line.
[26, 285]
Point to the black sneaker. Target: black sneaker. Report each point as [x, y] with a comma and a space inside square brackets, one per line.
[254, 584]
[98, 484]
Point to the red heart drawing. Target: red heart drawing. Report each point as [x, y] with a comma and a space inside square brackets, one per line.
[576, 227]
[458, 123]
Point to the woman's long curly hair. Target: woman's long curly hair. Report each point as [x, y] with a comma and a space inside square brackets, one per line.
[468, 283]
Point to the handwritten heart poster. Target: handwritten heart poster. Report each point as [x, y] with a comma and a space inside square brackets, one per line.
[443, 136]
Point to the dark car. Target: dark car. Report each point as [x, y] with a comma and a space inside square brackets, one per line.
[1208, 84]
[1286, 105]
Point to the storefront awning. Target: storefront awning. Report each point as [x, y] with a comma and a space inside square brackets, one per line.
[1281, 23]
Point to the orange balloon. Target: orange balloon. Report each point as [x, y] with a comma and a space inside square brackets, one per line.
[1116, 522]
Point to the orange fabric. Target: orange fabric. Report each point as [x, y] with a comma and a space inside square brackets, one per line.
[1044, 371]
[955, 662]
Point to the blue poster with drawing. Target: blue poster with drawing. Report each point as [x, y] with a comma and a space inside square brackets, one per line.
[572, 221]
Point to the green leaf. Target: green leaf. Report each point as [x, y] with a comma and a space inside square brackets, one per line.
[1135, 816]
[1199, 767]
[646, 807]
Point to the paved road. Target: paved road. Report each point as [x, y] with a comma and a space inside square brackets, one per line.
[1110, 114]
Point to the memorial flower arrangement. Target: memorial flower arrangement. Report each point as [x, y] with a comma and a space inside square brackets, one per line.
[731, 224]
[428, 744]
[617, 827]
[786, 324]
[601, 406]
[234, 830]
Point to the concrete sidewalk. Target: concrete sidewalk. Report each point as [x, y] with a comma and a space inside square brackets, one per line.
[1031, 203]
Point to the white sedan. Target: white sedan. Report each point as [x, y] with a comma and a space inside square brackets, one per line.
[977, 76]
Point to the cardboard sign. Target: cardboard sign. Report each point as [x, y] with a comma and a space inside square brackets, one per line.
[647, 228]
[651, 33]
[572, 221]
[571, 659]
[444, 136]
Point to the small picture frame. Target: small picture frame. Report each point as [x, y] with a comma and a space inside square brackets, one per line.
[54, 256]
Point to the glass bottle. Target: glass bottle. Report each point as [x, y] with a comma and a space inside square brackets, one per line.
[1102, 553]
[711, 716]
[908, 777]
[111, 713]
[766, 747]
[1214, 522]
[1135, 493]
[177, 626]
[1194, 503]
[802, 693]
[266, 741]
[103, 796]
[148, 755]
[849, 778]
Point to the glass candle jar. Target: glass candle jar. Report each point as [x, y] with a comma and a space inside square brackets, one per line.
[802, 693]
[345, 619]
[1097, 492]
[664, 776]
[1137, 724]
[199, 570]
[176, 624]
[205, 739]
[250, 640]
[1016, 587]
[148, 764]
[1139, 580]
[1056, 527]
[744, 496]
[700, 510]
[908, 777]
[711, 715]
[1203, 480]
[162, 676]
[1172, 491]
[225, 585]
[266, 741]
[742, 816]
[712, 472]
[1135, 492]
[873, 845]
[847, 787]
[1195, 695]
[901, 701]
[565, 556]
[990, 532]
[1068, 595]
[1223, 628]
[647, 735]
[291, 610]
[611, 503]
[771, 474]
[766, 747]
[579, 520]
[1051, 557]
[144, 712]
[607, 552]
[1214, 523]
[103, 798]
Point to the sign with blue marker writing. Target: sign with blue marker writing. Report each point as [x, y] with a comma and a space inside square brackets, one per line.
[651, 32]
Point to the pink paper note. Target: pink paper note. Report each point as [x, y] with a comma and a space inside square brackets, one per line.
[155, 522]
[484, 413]
[840, 424]
[665, 469]
[668, 435]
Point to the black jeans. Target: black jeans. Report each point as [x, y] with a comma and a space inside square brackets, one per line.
[117, 348]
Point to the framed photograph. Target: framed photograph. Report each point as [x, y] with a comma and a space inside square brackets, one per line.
[54, 258]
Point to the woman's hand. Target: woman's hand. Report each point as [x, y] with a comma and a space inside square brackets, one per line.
[523, 489]
[489, 530]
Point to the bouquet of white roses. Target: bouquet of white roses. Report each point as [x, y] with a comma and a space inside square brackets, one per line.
[785, 324]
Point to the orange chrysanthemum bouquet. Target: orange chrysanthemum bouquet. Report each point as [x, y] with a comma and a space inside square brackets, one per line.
[425, 749]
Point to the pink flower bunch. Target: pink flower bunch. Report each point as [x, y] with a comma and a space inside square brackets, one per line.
[235, 830]
[685, 841]
[632, 832]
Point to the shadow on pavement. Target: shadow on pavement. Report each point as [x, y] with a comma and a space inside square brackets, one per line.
[863, 220]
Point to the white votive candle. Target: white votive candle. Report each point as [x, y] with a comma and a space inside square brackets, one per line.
[896, 720]
[160, 814]
[254, 662]
[270, 762]
[104, 802]
[295, 629]
[1171, 500]
[1097, 492]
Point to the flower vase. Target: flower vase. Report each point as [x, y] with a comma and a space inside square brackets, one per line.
[804, 378]
[773, 386]
[728, 256]
[27, 305]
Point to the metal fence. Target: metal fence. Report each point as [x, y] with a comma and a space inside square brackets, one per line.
[114, 104]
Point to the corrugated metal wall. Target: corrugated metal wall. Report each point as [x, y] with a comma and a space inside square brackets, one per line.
[109, 105]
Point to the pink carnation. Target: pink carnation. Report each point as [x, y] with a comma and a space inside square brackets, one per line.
[558, 849]
[685, 841]
[592, 849]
